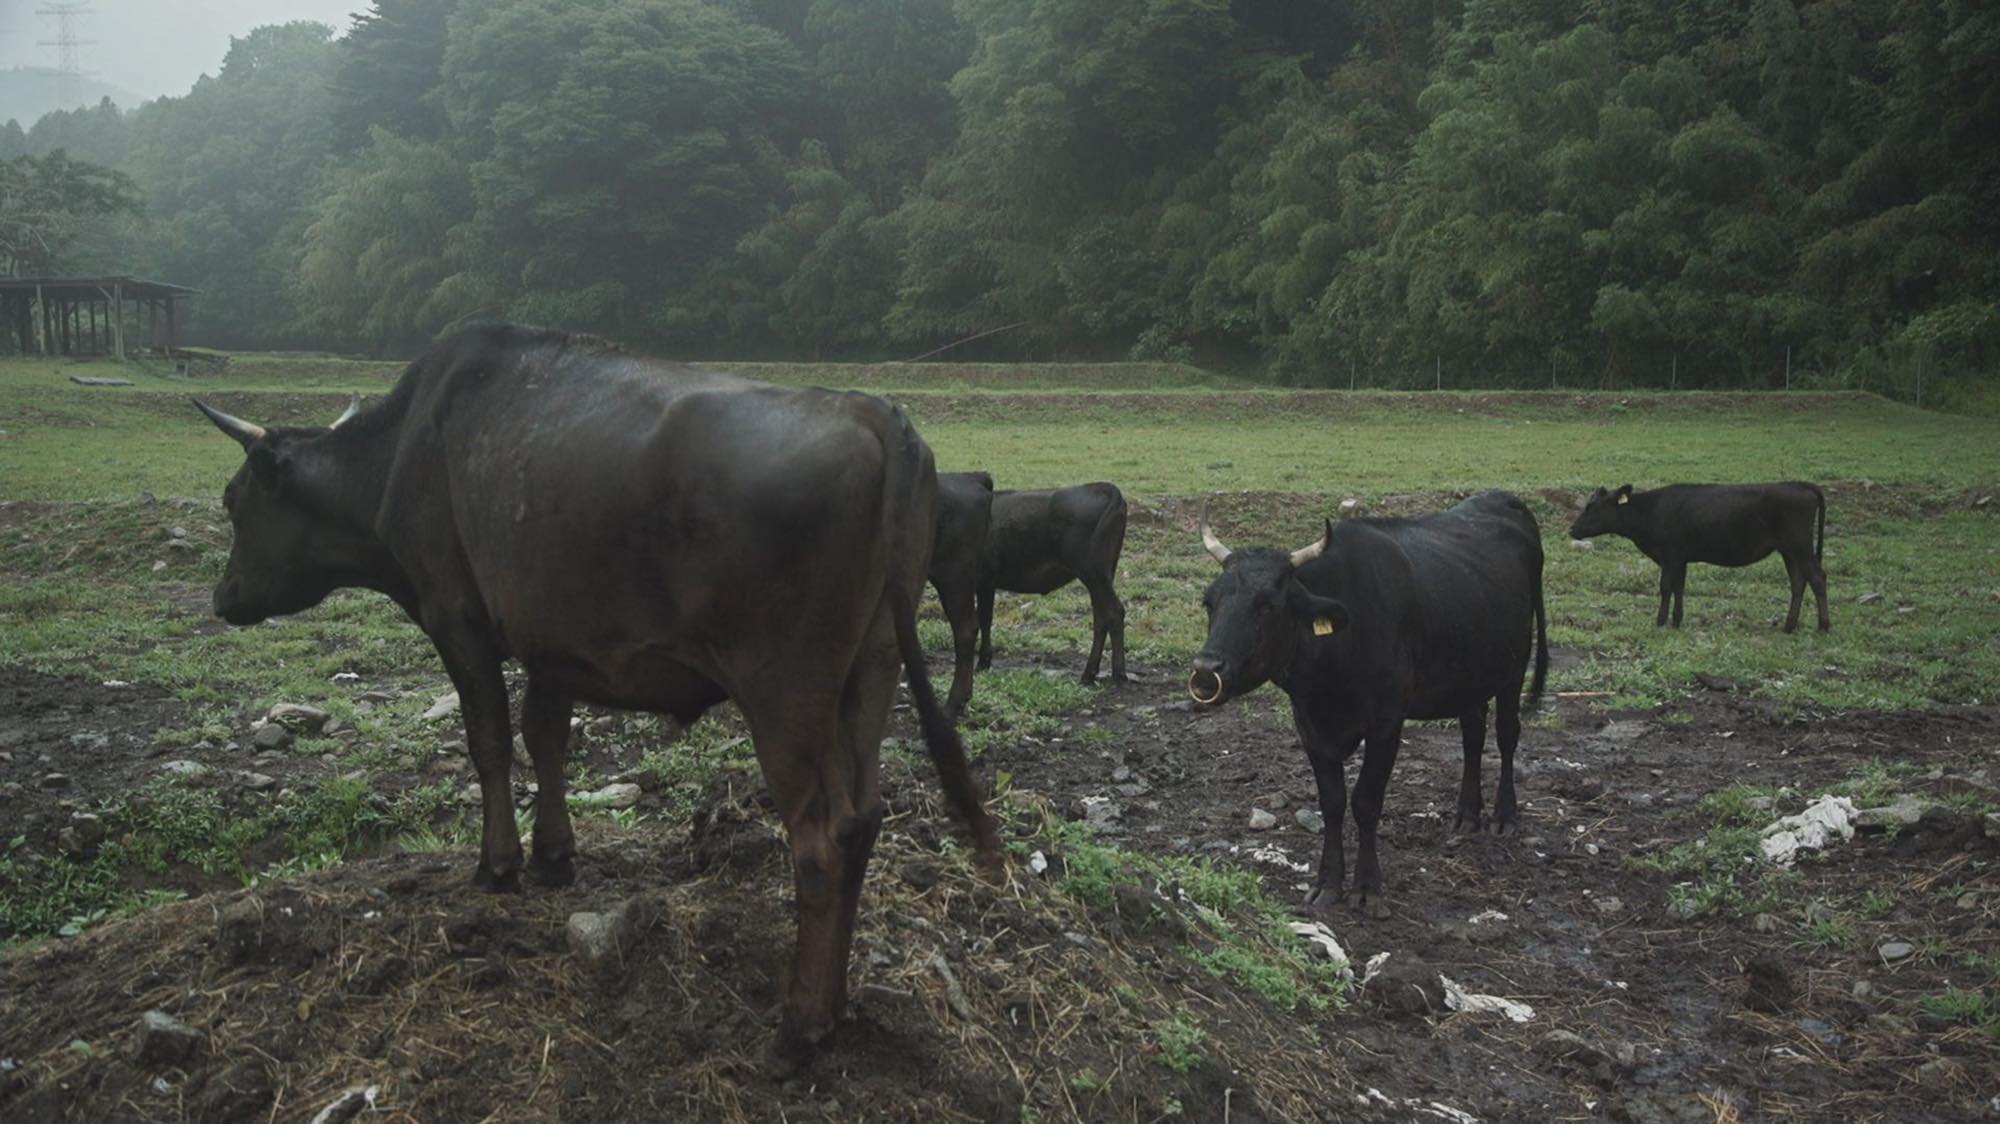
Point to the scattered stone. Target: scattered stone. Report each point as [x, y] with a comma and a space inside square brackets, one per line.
[70, 931]
[1940, 1073]
[1896, 950]
[1261, 820]
[385, 697]
[163, 1041]
[1582, 544]
[98, 380]
[1907, 809]
[442, 706]
[1310, 820]
[310, 719]
[1102, 815]
[1765, 923]
[1609, 904]
[471, 794]
[1868, 598]
[1567, 1045]
[616, 795]
[184, 768]
[158, 566]
[920, 876]
[271, 735]
[1991, 826]
[257, 782]
[182, 546]
[1863, 991]
[1623, 730]
[1277, 801]
[1349, 504]
[1683, 909]
[177, 532]
[1768, 985]
[56, 782]
[1405, 984]
[1121, 774]
[1822, 1030]
[600, 940]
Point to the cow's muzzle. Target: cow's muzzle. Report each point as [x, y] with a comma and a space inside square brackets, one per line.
[1205, 683]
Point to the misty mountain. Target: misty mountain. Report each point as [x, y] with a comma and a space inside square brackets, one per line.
[27, 92]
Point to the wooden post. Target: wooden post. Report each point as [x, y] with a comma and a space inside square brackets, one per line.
[152, 323]
[1440, 372]
[118, 320]
[1674, 380]
[1788, 366]
[173, 337]
[42, 321]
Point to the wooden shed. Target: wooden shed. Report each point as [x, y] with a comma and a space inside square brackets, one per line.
[88, 315]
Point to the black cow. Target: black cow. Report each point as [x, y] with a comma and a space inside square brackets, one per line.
[1039, 542]
[1723, 525]
[965, 506]
[636, 534]
[1380, 621]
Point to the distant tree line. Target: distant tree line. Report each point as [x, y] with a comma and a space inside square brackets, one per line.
[1499, 192]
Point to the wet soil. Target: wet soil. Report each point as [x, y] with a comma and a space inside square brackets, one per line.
[391, 972]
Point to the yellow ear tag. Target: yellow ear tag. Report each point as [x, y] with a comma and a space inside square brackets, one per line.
[1322, 627]
[1624, 497]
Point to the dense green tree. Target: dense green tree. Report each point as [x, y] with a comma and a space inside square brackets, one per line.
[47, 203]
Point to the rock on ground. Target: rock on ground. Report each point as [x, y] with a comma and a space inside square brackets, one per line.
[163, 1041]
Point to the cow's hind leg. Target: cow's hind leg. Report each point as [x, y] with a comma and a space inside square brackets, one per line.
[985, 609]
[545, 727]
[1795, 572]
[1507, 732]
[1472, 729]
[1107, 621]
[960, 610]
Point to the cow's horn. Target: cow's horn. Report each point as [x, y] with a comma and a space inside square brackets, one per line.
[245, 432]
[1305, 554]
[353, 408]
[1208, 538]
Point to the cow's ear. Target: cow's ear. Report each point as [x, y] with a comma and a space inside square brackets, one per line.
[264, 463]
[1324, 615]
[1625, 494]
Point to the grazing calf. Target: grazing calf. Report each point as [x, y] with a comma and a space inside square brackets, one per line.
[1723, 525]
[1039, 542]
[636, 534]
[1380, 621]
[965, 506]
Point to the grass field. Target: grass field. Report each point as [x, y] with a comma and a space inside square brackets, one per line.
[110, 534]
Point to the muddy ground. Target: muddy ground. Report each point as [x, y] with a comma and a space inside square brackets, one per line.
[389, 972]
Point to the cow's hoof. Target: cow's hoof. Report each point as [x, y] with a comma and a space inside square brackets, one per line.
[1469, 823]
[552, 872]
[1374, 908]
[1503, 825]
[794, 1051]
[505, 882]
[1321, 904]
[1120, 677]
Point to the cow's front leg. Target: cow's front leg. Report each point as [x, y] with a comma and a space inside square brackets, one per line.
[1378, 759]
[1678, 572]
[474, 667]
[545, 717]
[1327, 753]
[1666, 595]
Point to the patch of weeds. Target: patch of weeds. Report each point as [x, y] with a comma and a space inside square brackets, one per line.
[1875, 905]
[1271, 980]
[1739, 805]
[1877, 782]
[684, 768]
[1831, 933]
[1096, 737]
[1180, 1040]
[1091, 871]
[1011, 705]
[1087, 1080]
[1959, 1005]
[1717, 873]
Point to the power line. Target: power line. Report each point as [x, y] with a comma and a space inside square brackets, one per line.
[67, 13]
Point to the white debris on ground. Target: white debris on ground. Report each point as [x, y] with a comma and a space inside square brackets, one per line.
[1459, 999]
[1274, 856]
[1486, 916]
[1828, 818]
[1436, 1110]
[1319, 936]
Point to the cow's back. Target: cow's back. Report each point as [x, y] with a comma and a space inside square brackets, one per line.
[1477, 569]
[635, 515]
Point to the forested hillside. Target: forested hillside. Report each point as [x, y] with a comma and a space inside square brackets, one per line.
[1487, 193]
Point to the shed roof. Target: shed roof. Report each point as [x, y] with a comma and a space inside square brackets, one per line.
[94, 288]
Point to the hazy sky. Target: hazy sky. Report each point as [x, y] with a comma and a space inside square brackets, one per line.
[154, 47]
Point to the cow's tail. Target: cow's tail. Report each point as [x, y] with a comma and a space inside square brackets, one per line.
[1819, 542]
[907, 461]
[1541, 647]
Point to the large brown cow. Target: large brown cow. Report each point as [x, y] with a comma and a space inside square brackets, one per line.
[636, 534]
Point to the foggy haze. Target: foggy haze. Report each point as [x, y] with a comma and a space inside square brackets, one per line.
[154, 48]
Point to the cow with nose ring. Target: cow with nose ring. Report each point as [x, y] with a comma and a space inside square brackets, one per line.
[1378, 622]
